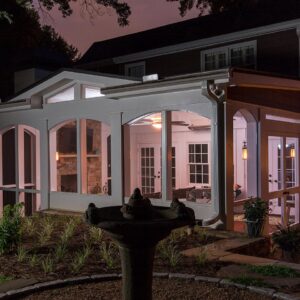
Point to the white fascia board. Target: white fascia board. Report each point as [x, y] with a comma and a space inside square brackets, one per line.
[176, 84]
[97, 80]
[210, 42]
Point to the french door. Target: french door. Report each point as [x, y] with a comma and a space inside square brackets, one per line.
[283, 179]
[150, 168]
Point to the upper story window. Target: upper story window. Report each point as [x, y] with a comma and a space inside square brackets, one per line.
[243, 54]
[136, 69]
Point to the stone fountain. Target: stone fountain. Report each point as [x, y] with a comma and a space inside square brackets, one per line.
[137, 227]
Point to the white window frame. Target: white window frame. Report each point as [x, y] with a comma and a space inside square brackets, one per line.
[227, 51]
[199, 185]
[136, 64]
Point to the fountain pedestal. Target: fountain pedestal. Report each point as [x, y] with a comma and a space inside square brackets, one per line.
[137, 235]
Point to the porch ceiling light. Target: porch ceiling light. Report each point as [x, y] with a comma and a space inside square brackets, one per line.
[57, 156]
[245, 151]
[157, 125]
[293, 151]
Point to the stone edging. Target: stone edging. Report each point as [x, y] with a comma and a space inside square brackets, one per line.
[106, 277]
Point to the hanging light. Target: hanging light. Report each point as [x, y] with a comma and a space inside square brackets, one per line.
[245, 151]
[57, 156]
[157, 125]
[293, 151]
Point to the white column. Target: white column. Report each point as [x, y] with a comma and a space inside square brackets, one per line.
[166, 153]
[79, 156]
[116, 158]
[47, 156]
[83, 157]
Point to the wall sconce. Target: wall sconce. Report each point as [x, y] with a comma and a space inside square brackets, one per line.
[245, 151]
[57, 156]
[293, 151]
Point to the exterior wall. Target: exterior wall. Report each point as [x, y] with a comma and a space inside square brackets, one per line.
[277, 52]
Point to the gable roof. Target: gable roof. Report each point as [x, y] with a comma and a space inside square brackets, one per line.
[194, 29]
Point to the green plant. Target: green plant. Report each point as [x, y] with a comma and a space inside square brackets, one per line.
[33, 260]
[28, 226]
[245, 280]
[203, 236]
[255, 212]
[10, 227]
[95, 234]
[170, 253]
[108, 253]
[202, 257]
[47, 264]
[274, 270]
[21, 254]
[287, 239]
[68, 232]
[80, 259]
[60, 252]
[4, 278]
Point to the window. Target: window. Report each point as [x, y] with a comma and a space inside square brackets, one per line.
[198, 163]
[135, 69]
[65, 95]
[91, 92]
[242, 54]
[84, 143]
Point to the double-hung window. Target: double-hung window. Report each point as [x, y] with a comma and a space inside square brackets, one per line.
[242, 54]
[198, 163]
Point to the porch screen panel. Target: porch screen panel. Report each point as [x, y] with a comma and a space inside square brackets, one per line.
[8, 157]
[191, 136]
[142, 155]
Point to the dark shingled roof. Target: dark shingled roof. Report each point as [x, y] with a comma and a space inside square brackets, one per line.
[194, 29]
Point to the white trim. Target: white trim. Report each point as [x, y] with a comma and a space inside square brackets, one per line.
[209, 42]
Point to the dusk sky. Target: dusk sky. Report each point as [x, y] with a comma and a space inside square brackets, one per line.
[81, 32]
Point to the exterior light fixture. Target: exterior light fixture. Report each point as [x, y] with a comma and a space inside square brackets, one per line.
[57, 156]
[245, 151]
[293, 151]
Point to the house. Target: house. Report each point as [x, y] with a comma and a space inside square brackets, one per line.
[210, 135]
[253, 39]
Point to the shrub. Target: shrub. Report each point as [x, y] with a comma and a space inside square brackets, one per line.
[10, 227]
[287, 239]
[33, 260]
[60, 252]
[68, 232]
[28, 226]
[4, 278]
[255, 209]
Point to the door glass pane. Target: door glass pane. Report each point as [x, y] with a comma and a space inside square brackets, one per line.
[275, 162]
[28, 157]
[291, 157]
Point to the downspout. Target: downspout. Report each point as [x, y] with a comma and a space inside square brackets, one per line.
[218, 96]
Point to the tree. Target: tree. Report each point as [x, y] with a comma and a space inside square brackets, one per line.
[92, 7]
[24, 43]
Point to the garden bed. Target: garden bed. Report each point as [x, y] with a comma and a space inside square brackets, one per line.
[53, 247]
